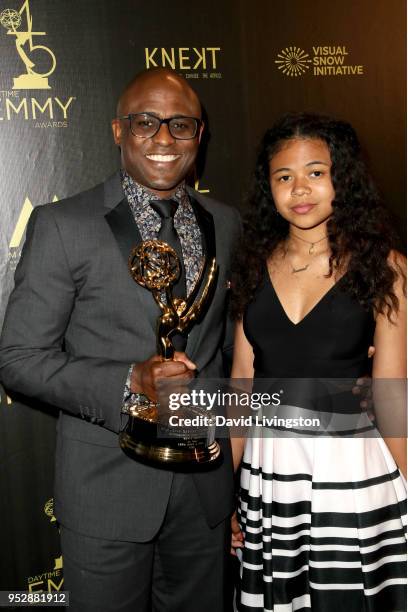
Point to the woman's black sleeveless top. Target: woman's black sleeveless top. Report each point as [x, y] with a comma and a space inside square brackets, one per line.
[332, 340]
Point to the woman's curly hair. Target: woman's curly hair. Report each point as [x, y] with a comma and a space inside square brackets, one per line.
[360, 234]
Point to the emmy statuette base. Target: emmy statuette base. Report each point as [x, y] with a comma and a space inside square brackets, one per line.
[141, 441]
[167, 457]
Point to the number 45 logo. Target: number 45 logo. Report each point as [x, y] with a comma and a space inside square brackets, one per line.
[31, 79]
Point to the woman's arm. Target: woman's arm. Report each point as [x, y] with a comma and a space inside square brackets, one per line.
[390, 363]
[242, 371]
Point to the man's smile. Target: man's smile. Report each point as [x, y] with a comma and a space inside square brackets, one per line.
[162, 158]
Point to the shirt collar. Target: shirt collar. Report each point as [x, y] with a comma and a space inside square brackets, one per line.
[141, 196]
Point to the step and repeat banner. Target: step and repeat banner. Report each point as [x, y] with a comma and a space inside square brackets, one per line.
[62, 67]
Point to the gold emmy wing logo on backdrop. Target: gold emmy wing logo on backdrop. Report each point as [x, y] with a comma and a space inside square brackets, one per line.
[22, 221]
[198, 187]
[4, 398]
[12, 20]
[49, 509]
[21, 224]
[16, 240]
[293, 61]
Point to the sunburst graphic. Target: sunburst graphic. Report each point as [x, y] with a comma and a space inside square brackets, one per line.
[293, 61]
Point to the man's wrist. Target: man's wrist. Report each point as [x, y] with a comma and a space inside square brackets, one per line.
[135, 402]
[135, 380]
[132, 397]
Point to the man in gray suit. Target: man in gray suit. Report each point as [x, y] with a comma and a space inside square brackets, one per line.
[79, 334]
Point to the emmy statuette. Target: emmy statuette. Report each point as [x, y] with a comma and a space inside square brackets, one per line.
[148, 437]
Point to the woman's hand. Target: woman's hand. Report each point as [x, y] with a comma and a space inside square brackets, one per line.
[237, 537]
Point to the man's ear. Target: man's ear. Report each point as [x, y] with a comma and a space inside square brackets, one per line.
[117, 131]
[200, 132]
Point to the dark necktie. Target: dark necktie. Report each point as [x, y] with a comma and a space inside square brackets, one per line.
[168, 233]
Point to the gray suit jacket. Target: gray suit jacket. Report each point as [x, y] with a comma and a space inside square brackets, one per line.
[74, 323]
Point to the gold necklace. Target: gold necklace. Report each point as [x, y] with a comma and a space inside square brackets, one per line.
[296, 270]
[312, 244]
[293, 269]
[306, 266]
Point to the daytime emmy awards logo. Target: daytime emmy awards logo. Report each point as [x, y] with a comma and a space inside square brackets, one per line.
[39, 62]
[12, 20]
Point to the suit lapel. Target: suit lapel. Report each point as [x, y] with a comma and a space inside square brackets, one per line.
[205, 221]
[206, 224]
[127, 236]
[124, 228]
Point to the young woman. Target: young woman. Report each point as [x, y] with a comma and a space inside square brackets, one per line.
[317, 283]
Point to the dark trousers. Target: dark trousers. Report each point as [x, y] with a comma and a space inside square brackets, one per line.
[183, 569]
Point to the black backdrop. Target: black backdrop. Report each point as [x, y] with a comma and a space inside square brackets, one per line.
[249, 62]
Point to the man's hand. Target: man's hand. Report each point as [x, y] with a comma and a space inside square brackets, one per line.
[237, 537]
[146, 374]
[363, 388]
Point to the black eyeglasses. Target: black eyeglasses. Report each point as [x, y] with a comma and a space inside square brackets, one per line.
[145, 125]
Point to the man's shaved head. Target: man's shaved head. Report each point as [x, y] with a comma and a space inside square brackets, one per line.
[153, 77]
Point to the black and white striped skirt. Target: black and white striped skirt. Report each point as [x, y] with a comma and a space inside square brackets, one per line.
[324, 522]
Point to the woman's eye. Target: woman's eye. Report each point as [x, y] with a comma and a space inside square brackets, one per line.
[284, 179]
[317, 173]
